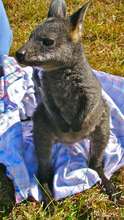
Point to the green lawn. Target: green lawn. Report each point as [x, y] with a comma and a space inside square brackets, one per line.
[103, 40]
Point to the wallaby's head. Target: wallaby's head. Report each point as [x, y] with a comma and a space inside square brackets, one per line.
[57, 41]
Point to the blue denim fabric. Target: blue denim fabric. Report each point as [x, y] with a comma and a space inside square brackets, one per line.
[5, 33]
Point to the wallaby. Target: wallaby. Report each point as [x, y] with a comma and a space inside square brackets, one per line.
[72, 106]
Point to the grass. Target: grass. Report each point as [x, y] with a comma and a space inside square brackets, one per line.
[103, 41]
[91, 204]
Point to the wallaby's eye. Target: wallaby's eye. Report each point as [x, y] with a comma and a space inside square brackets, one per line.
[48, 42]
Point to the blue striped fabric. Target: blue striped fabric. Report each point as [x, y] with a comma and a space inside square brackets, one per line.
[17, 152]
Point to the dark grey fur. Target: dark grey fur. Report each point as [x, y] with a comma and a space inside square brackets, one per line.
[73, 107]
[7, 191]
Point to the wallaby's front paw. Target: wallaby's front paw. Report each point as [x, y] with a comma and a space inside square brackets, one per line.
[112, 191]
[45, 173]
[47, 195]
[107, 185]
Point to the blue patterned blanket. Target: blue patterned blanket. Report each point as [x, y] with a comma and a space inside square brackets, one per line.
[17, 151]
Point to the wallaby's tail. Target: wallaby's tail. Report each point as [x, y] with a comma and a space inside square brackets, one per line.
[57, 9]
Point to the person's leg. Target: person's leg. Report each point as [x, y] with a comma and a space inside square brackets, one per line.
[5, 33]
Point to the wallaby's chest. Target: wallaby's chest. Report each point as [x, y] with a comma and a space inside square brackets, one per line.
[62, 92]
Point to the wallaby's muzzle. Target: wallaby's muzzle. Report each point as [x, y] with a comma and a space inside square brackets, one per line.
[24, 54]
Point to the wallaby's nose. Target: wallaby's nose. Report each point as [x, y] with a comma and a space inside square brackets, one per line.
[20, 55]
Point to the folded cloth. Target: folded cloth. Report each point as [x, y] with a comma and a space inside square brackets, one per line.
[70, 164]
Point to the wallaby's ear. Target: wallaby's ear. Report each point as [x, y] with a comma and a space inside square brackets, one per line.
[76, 21]
[57, 9]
